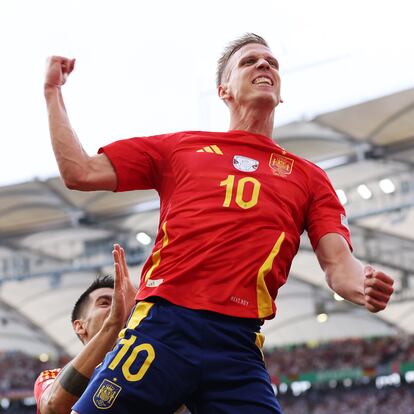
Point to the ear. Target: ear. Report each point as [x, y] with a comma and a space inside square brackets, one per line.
[223, 92]
[79, 328]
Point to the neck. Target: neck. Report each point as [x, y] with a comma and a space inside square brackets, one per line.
[254, 120]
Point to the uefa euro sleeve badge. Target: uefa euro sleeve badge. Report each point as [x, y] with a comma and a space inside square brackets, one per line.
[106, 394]
[245, 164]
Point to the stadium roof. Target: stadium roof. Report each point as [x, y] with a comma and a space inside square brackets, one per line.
[54, 241]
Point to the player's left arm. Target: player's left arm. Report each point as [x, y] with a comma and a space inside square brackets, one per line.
[74, 377]
[345, 275]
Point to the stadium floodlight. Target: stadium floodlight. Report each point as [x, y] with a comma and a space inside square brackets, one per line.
[322, 317]
[143, 238]
[364, 191]
[43, 357]
[387, 185]
[342, 196]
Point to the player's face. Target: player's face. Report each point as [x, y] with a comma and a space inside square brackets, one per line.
[98, 309]
[252, 76]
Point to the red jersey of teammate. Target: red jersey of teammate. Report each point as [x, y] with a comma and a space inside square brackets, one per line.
[233, 206]
[43, 382]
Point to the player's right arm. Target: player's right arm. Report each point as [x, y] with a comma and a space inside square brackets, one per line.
[79, 171]
[59, 397]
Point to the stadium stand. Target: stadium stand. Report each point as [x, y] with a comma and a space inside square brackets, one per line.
[352, 376]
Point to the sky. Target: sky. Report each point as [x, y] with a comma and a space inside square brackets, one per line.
[148, 67]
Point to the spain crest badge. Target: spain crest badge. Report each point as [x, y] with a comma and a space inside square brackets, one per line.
[281, 165]
[106, 394]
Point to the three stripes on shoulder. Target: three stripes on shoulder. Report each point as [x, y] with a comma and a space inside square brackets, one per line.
[212, 149]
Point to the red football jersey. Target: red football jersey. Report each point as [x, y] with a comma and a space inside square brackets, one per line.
[233, 206]
[43, 382]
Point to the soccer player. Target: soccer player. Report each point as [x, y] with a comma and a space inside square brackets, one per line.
[233, 206]
[97, 318]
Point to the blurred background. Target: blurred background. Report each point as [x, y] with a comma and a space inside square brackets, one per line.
[146, 68]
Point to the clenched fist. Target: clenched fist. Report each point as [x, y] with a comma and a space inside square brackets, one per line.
[57, 70]
[377, 289]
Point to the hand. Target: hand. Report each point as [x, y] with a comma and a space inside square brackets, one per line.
[57, 70]
[377, 289]
[130, 290]
[124, 292]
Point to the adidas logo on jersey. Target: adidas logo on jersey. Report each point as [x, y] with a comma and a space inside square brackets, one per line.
[213, 149]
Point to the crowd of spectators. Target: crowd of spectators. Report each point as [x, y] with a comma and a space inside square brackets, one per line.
[366, 400]
[19, 371]
[345, 354]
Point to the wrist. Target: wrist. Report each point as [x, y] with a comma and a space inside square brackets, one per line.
[49, 88]
[112, 325]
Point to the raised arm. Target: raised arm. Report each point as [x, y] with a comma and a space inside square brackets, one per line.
[79, 171]
[347, 276]
[73, 379]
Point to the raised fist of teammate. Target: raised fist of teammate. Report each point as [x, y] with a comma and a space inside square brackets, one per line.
[57, 70]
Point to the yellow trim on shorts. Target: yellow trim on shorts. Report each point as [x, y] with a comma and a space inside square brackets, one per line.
[264, 300]
[260, 338]
[141, 311]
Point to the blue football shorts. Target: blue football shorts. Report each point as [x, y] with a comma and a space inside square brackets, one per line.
[169, 355]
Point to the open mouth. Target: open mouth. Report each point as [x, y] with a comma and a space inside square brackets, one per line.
[263, 80]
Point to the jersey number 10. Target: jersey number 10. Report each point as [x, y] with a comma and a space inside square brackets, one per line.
[229, 183]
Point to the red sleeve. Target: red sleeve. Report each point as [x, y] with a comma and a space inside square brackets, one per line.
[326, 214]
[42, 383]
[139, 162]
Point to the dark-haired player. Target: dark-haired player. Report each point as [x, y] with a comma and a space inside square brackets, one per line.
[97, 317]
